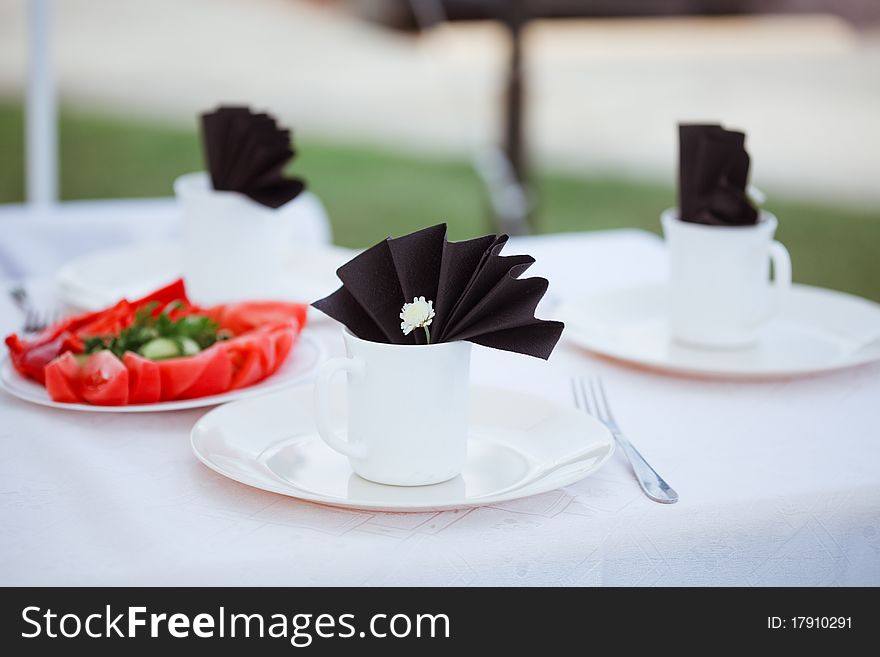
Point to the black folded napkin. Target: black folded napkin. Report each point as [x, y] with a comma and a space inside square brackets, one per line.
[476, 293]
[713, 171]
[246, 152]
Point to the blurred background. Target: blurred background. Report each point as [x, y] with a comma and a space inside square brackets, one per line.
[518, 115]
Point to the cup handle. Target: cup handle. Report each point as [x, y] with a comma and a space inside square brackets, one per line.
[781, 274]
[328, 434]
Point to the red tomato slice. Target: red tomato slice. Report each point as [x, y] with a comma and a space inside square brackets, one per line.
[207, 373]
[259, 353]
[247, 363]
[265, 346]
[283, 340]
[177, 375]
[62, 378]
[215, 377]
[144, 382]
[104, 380]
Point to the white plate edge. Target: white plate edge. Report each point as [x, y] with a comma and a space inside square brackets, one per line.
[572, 335]
[537, 486]
[249, 392]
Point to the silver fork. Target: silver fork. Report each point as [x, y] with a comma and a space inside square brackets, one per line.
[596, 404]
[35, 320]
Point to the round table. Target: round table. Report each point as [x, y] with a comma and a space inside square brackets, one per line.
[779, 481]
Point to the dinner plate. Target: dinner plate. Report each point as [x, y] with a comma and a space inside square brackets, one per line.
[518, 445]
[100, 279]
[307, 354]
[816, 330]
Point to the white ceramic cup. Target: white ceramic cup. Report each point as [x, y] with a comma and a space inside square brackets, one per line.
[407, 410]
[720, 291]
[234, 248]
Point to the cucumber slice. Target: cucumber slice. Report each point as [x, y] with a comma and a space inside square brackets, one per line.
[188, 346]
[160, 349]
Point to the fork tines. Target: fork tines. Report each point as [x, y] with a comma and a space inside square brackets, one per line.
[594, 402]
[36, 320]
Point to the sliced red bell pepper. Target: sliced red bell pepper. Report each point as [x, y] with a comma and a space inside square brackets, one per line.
[248, 315]
[175, 291]
[31, 358]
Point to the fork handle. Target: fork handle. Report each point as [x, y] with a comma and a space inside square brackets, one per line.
[20, 297]
[652, 483]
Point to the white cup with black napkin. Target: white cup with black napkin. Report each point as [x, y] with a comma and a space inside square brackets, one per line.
[411, 308]
[242, 216]
[721, 247]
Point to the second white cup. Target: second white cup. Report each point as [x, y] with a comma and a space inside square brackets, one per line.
[234, 249]
[720, 291]
[407, 410]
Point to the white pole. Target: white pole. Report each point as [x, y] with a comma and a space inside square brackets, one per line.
[40, 111]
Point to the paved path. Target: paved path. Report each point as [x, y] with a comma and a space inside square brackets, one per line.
[604, 95]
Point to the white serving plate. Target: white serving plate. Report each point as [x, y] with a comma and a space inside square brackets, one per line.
[307, 354]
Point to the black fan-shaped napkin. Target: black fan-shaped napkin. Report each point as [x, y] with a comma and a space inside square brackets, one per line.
[477, 293]
[713, 174]
[246, 152]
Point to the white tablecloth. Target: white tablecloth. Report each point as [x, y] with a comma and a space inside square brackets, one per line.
[779, 482]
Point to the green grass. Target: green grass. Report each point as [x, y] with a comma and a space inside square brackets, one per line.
[372, 193]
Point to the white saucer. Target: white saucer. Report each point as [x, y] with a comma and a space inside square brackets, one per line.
[519, 445]
[307, 354]
[102, 278]
[817, 330]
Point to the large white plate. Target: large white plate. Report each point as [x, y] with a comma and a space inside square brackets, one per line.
[102, 278]
[817, 330]
[307, 354]
[519, 445]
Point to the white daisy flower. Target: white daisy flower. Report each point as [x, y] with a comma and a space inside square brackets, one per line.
[418, 314]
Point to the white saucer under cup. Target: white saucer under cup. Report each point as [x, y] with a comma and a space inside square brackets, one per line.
[518, 445]
[816, 331]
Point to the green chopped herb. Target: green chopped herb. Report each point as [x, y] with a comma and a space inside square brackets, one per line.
[190, 333]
